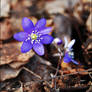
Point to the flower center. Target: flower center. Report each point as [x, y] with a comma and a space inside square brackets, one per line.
[34, 36]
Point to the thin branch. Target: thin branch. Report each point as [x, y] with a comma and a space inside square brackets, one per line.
[32, 72]
[89, 70]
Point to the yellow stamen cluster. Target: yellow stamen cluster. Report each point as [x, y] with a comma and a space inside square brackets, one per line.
[34, 36]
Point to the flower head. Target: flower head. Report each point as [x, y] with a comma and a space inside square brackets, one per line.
[69, 55]
[34, 36]
[58, 41]
[68, 58]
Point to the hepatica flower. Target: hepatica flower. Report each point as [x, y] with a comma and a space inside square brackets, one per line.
[69, 55]
[57, 41]
[68, 58]
[34, 36]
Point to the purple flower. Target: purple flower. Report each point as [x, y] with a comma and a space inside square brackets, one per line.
[68, 58]
[34, 36]
[58, 41]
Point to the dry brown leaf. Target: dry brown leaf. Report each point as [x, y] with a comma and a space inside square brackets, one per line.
[87, 1]
[7, 72]
[54, 7]
[5, 30]
[10, 52]
[17, 64]
[76, 71]
[13, 2]
[82, 73]
[49, 22]
[16, 24]
[59, 6]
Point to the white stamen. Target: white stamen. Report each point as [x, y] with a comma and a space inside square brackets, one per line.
[32, 41]
[32, 31]
[41, 38]
[35, 30]
[28, 38]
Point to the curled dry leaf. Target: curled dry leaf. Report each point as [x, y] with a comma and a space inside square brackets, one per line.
[7, 72]
[10, 52]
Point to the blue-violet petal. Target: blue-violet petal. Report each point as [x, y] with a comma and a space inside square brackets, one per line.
[26, 46]
[40, 23]
[20, 36]
[46, 30]
[27, 25]
[67, 58]
[46, 39]
[38, 48]
[75, 62]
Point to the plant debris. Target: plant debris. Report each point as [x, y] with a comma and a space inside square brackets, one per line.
[71, 22]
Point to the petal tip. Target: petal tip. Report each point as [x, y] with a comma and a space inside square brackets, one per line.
[43, 19]
[24, 18]
[15, 36]
[41, 54]
[38, 48]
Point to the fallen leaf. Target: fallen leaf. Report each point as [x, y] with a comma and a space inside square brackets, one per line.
[7, 72]
[10, 52]
[5, 30]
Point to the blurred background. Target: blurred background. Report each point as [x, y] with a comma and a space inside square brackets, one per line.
[21, 72]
